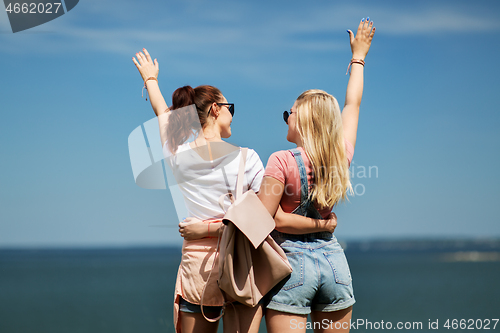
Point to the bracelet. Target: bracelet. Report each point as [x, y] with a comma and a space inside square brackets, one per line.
[354, 61]
[149, 78]
[208, 224]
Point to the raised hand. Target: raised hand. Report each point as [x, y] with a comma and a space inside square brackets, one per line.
[149, 72]
[360, 44]
[146, 66]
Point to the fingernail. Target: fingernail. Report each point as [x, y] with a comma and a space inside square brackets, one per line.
[368, 19]
[347, 31]
[363, 20]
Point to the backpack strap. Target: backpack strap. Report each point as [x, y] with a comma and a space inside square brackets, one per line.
[217, 252]
[239, 181]
[241, 173]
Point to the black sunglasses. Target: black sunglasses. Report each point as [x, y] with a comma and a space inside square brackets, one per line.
[286, 114]
[230, 108]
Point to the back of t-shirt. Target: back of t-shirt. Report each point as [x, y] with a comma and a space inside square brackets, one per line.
[202, 180]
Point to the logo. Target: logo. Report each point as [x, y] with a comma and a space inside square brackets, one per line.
[26, 15]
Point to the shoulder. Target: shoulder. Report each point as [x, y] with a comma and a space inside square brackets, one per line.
[253, 160]
[281, 156]
[252, 154]
[280, 160]
[254, 170]
[279, 164]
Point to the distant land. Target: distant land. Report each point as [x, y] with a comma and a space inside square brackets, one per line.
[350, 246]
[443, 250]
[422, 245]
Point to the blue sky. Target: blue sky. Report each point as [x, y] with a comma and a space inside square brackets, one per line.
[71, 96]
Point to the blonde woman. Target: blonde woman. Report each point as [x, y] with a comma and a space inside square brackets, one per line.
[309, 181]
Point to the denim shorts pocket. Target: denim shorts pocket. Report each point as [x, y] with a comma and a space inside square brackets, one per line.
[296, 260]
[340, 267]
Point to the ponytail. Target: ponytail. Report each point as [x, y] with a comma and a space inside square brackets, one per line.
[181, 124]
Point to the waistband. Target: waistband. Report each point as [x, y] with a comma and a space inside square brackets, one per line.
[304, 237]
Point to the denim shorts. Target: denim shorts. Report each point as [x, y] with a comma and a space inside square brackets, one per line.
[185, 306]
[321, 279]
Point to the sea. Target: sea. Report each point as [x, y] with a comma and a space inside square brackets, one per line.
[399, 285]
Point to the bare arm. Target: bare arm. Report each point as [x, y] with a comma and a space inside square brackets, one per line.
[193, 228]
[270, 194]
[147, 68]
[296, 224]
[360, 45]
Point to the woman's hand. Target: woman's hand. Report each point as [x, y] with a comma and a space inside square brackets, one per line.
[149, 68]
[297, 224]
[331, 223]
[145, 65]
[360, 44]
[192, 228]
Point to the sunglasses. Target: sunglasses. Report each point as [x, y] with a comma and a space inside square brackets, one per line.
[230, 107]
[286, 114]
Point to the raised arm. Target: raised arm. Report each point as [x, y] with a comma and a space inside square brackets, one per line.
[271, 191]
[360, 45]
[148, 70]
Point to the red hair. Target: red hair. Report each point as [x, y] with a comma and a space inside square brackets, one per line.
[181, 124]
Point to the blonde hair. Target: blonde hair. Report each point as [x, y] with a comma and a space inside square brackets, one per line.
[319, 125]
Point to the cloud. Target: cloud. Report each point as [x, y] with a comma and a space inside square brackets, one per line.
[248, 29]
[201, 36]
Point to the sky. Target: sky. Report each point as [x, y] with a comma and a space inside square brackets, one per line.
[71, 96]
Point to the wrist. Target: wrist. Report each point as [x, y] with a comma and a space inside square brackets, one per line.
[212, 228]
[354, 61]
[150, 79]
[325, 225]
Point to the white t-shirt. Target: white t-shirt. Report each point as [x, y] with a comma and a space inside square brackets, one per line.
[202, 182]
